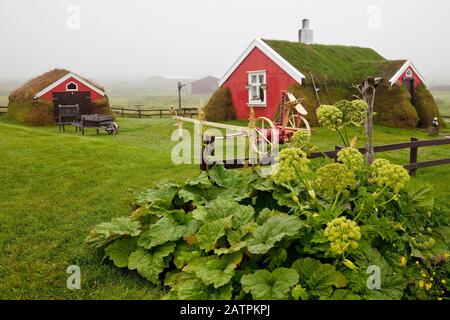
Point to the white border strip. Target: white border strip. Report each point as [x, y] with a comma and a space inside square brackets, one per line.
[272, 54]
[67, 76]
[406, 65]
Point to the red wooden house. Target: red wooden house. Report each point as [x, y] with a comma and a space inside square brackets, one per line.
[269, 67]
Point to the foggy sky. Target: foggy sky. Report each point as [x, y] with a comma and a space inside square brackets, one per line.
[135, 38]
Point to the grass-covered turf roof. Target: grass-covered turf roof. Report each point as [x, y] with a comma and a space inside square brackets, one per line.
[335, 63]
[33, 86]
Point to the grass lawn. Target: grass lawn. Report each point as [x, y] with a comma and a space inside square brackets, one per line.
[56, 186]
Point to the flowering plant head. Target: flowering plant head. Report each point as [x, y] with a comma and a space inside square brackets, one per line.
[291, 163]
[385, 174]
[329, 116]
[335, 177]
[343, 234]
[300, 138]
[352, 159]
[353, 112]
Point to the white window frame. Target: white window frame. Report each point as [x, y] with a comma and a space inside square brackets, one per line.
[409, 73]
[259, 86]
[71, 82]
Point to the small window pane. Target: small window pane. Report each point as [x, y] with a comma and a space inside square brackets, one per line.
[254, 93]
[261, 79]
[253, 79]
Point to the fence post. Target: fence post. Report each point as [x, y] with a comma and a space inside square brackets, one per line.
[413, 151]
[160, 113]
[123, 113]
[139, 111]
[337, 148]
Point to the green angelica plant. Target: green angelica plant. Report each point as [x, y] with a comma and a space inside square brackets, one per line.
[341, 116]
[388, 175]
[343, 234]
[352, 159]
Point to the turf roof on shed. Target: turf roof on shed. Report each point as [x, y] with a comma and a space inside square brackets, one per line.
[33, 86]
[335, 63]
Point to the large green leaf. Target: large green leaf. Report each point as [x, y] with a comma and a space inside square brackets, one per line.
[264, 285]
[214, 270]
[231, 179]
[173, 226]
[239, 184]
[222, 216]
[222, 208]
[202, 181]
[186, 286]
[109, 231]
[159, 196]
[150, 263]
[273, 230]
[209, 233]
[318, 279]
[120, 250]
[195, 289]
[184, 253]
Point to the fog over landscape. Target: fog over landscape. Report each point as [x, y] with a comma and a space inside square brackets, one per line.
[132, 40]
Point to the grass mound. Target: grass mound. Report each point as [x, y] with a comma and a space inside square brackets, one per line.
[33, 112]
[101, 106]
[392, 104]
[426, 107]
[220, 107]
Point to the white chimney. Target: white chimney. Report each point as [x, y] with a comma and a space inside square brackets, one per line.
[305, 34]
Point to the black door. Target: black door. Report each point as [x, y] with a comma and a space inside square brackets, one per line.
[409, 84]
[82, 98]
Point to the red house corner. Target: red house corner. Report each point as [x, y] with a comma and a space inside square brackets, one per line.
[260, 72]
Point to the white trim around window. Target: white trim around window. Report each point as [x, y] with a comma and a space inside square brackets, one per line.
[257, 88]
[409, 73]
[73, 84]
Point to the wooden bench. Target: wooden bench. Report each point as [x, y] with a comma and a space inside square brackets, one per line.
[67, 115]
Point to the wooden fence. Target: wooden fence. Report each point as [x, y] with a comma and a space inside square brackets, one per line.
[3, 110]
[150, 113]
[412, 166]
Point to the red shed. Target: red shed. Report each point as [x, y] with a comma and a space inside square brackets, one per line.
[72, 89]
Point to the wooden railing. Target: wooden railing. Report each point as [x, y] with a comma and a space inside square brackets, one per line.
[412, 166]
[3, 110]
[150, 113]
